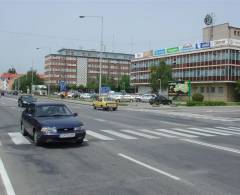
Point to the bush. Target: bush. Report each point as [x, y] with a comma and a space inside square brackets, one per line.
[198, 97]
[214, 103]
[206, 103]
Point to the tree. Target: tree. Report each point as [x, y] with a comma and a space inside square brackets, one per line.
[124, 83]
[161, 71]
[12, 71]
[237, 89]
[25, 81]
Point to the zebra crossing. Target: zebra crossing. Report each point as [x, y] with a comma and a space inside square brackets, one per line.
[16, 138]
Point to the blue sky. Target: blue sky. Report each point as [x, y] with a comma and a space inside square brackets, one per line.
[129, 26]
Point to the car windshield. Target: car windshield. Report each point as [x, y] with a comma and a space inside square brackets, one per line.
[27, 98]
[52, 110]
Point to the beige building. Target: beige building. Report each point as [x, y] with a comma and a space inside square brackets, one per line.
[221, 31]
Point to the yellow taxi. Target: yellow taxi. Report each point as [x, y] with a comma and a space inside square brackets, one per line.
[105, 103]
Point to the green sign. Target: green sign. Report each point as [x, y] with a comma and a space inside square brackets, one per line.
[173, 50]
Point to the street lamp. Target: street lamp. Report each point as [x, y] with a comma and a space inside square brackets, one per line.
[101, 50]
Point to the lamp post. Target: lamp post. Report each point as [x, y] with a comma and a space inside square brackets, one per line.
[160, 86]
[101, 50]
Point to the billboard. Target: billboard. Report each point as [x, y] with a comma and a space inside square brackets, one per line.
[204, 45]
[159, 52]
[138, 55]
[188, 47]
[220, 43]
[178, 88]
[62, 85]
[172, 50]
[234, 42]
[147, 53]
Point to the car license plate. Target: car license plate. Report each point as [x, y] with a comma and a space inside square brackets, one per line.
[67, 135]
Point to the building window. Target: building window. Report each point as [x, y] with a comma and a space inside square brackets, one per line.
[235, 32]
[212, 89]
[201, 89]
[220, 89]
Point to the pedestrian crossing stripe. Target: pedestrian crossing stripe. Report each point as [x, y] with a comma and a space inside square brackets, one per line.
[109, 135]
[209, 131]
[177, 133]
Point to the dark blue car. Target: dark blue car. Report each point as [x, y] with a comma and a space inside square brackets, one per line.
[51, 122]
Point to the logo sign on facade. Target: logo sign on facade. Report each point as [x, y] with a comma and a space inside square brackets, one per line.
[179, 88]
[147, 54]
[172, 50]
[220, 43]
[138, 55]
[208, 20]
[188, 47]
[159, 52]
[205, 45]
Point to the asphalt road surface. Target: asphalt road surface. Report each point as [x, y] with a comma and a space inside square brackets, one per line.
[132, 151]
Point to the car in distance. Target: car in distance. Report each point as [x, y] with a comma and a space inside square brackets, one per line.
[25, 100]
[51, 122]
[159, 99]
[105, 103]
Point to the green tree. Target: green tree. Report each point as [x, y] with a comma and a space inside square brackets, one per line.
[12, 70]
[161, 71]
[124, 83]
[25, 81]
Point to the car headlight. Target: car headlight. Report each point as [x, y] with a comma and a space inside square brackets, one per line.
[24, 102]
[49, 130]
[79, 128]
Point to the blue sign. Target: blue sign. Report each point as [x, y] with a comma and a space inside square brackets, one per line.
[159, 52]
[105, 89]
[205, 45]
[62, 86]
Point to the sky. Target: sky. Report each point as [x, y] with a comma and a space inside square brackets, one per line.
[130, 26]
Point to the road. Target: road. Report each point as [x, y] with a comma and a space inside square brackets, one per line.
[131, 151]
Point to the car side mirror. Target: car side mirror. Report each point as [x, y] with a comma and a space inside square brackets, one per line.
[75, 114]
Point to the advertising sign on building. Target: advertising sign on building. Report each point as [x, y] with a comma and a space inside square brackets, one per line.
[187, 47]
[147, 54]
[172, 50]
[138, 55]
[205, 45]
[179, 88]
[220, 43]
[159, 52]
[234, 42]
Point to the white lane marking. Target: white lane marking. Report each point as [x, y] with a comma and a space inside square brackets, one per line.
[209, 131]
[119, 134]
[235, 128]
[18, 138]
[157, 133]
[223, 131]
[99, 136]
[229, 131]
[149, 167]
[98, 119]
[86, 140]
[193, 132]
[140, 134]
[177, 133]
[3, 103]
[13, 108]
[229, 128]
[0, 143]
[173, 123]
[6, 181]
[213, 146]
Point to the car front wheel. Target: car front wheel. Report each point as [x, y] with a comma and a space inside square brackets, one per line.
[23, 130]
[36, 139]
[79, 141]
